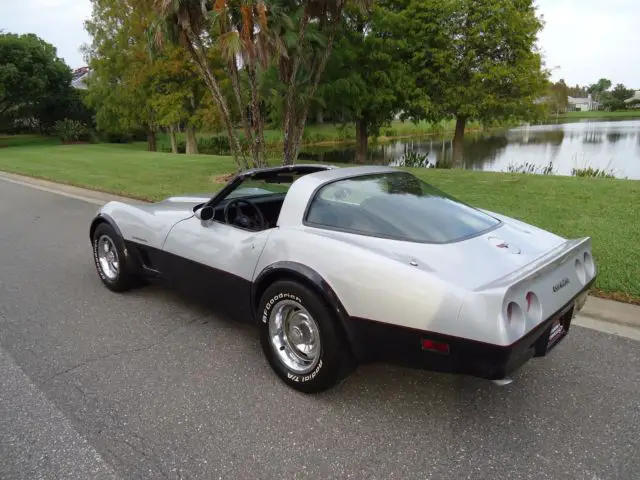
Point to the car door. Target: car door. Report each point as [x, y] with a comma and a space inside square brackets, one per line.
[215, 260]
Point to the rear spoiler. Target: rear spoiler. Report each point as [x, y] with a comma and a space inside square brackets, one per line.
[540, 266]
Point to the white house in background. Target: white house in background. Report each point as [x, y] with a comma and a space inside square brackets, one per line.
[578, 104]
[79, 79]
[635, 98]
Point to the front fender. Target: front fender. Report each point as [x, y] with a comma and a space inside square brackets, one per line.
[100, 218]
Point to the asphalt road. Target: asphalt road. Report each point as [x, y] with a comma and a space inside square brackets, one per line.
[149, 385]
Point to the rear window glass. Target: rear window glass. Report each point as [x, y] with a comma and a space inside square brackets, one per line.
[398, 206]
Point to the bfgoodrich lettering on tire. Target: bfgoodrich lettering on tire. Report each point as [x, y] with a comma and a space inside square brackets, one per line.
[110, 260]
[301, 338]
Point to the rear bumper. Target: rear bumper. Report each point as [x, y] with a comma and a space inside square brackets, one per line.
[393, 344]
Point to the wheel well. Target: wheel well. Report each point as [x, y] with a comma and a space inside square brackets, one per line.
[274, 277]
[94, 225]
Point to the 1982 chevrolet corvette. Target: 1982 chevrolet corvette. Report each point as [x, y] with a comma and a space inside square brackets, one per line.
[339, 266]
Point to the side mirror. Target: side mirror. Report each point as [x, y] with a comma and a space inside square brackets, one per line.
[205, 213]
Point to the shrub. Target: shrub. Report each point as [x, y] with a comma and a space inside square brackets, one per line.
[415, 159]
[70, 130]
[216, 145]
[531, 168]
[592, 172]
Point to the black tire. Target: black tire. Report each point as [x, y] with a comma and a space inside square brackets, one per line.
[335, 360]
[125, 278]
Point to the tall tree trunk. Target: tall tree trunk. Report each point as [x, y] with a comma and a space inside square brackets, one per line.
[201, 61]
[362, 139]
[192, 141]
[289, 121]
[258, 121]
[174, 141]
[298, 129]
[458, 141]
[152, 142]
[242, 108]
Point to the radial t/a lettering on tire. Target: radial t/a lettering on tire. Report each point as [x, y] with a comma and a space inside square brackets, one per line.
[110, 260]
[301, 338]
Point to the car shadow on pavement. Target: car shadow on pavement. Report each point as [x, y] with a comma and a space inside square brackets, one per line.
[381, 382]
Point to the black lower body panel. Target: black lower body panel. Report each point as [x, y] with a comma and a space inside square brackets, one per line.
[399, 345]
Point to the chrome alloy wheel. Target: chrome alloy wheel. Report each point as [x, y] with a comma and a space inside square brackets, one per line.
[108, 257]
[295, 336]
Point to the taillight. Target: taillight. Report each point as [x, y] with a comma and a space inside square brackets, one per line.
[534, 311]
[514, 318]
[580, 271]
[529, 298]
[509, 312]
[589, 264]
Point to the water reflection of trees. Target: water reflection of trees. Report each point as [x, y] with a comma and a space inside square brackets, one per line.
[553, 137]
[480, 151]
[614, 137]
[592, 137]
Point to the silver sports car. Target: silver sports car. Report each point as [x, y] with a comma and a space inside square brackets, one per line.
[339, 266]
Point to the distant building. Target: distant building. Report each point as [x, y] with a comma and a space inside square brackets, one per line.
[582, 104]
[79, 79]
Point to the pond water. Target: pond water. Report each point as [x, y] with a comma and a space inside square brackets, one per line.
[613, 146]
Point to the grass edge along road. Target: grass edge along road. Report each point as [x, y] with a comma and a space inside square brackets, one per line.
[604, 209]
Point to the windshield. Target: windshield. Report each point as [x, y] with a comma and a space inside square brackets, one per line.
[254, 188]
[398, 206]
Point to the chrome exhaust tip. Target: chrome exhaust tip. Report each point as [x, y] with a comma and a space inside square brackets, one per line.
[502, 382]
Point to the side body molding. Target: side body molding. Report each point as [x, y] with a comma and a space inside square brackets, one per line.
[312, 279]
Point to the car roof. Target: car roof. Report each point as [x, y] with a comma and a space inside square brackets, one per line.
[297, 198]
[301, 168]
[325, 176]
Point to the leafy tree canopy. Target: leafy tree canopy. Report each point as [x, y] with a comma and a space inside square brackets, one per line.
[368, 79]
[35, 84]
[476, 60]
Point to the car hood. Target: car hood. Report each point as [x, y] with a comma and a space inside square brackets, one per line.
[473, 262]
[183, 204]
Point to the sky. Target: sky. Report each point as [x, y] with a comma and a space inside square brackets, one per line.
[582, 40]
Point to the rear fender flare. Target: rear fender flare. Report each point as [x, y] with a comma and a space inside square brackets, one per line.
[312, 279]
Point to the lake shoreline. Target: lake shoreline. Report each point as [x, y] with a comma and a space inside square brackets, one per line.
[568, 148]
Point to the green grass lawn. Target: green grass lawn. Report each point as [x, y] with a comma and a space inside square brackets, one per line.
[605, 209]
[603, 115]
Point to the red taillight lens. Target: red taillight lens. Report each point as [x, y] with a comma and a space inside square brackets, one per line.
[434, 346]
[529, 300]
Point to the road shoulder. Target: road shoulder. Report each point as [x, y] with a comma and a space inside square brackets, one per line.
[38, 441]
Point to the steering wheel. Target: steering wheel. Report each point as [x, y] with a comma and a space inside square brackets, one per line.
[256, 222]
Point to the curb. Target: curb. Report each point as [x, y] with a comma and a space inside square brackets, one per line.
[597, 310]
[602, 310]
[84, 194]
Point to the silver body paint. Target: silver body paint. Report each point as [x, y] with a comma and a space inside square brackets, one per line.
[460, 289]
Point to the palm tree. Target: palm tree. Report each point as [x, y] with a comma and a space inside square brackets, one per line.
[256, 33]
[187, 23]
[319, 23]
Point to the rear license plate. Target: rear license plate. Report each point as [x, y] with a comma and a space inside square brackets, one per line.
[557, 329]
